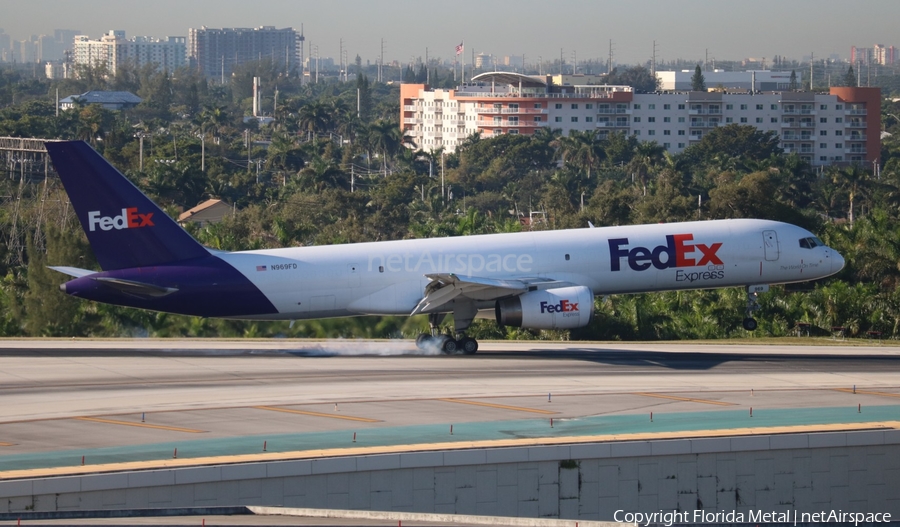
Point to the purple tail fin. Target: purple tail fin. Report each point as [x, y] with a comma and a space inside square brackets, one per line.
[124, 227]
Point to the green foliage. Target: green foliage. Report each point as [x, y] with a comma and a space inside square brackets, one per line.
[638, 77]
[326, 176]
[698, 81]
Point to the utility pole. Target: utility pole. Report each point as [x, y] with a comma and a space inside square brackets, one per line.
[341, 58]
[561, 61]
[381, 63]
[302, 40]
[811, 62]
[653, 62]
[427, 69]
[610, 59]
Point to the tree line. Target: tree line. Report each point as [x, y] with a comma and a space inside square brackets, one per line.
[333, 167]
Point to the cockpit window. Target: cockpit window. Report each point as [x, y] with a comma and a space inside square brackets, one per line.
[810, 243]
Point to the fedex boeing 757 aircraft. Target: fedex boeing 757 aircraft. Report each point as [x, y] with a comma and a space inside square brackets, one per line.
[540, 280]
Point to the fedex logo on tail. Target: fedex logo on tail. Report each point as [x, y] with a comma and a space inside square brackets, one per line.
[564, 306]
[129, 219]
[677, 252]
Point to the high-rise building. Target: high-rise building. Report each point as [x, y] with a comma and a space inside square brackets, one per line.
[113, 50]
[215, 52]
[842, 126]
[877, 54]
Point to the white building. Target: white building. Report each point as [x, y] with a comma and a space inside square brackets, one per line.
[823, 128]
[760, 80]
[113, 50]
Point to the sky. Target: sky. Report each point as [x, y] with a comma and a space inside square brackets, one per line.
[580, 29]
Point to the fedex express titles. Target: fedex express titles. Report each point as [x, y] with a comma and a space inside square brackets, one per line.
[677, 252]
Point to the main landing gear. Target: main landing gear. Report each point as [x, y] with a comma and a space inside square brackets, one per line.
[462, 315]
[752, 306]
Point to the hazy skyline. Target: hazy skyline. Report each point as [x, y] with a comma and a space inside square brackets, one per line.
[729, 30]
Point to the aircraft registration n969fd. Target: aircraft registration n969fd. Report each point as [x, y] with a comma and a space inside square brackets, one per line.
[540, 280]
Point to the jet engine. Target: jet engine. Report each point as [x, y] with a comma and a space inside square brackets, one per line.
[560, 308]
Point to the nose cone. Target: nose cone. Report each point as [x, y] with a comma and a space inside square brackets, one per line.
[837, 261]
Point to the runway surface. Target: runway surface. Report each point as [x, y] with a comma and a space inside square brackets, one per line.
[62, 398]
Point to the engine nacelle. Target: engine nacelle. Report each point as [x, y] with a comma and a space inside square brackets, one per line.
[560, 308]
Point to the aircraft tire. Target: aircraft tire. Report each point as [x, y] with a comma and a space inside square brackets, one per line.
[449, 346]
[750, 324]
[468, 345]
[422, 340]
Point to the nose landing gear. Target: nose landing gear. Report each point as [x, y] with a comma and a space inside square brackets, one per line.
[750, 323]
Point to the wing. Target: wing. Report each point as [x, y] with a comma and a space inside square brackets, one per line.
[446, 287]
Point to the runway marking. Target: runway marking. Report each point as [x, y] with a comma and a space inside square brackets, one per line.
[866, 392]
[500, 406]
[317, 414]
[6, 444]
[141, 425]
[686, 399]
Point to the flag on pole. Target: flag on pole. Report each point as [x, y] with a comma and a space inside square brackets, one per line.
[459, 49]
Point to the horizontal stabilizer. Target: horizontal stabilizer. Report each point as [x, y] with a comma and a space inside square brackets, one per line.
[71, 271]
[136, 288]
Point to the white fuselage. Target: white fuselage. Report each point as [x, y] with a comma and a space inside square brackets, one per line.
[389, 277]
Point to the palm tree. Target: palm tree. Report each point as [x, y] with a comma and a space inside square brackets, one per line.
[385, 137]
[314, 118]
[647, 156]
[583, 149]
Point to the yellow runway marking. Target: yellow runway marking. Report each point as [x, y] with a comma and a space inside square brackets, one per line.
[866, 392]
[141, 425]
[433, 447]
[500, 406]
[6, 444]
[686, 399]
[317, 414]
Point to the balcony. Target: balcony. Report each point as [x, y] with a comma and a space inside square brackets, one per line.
[612, 124]
[488, 110]
[856, 111]
[807, 124]
[790, 124]
[806, 150]
[705, 111]
[410, 108]
[858, 151]
[510, 124]
[412, 120]
[790, 137]
[857, 124]
[695, 137]
[610, 111]
[857, 137]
